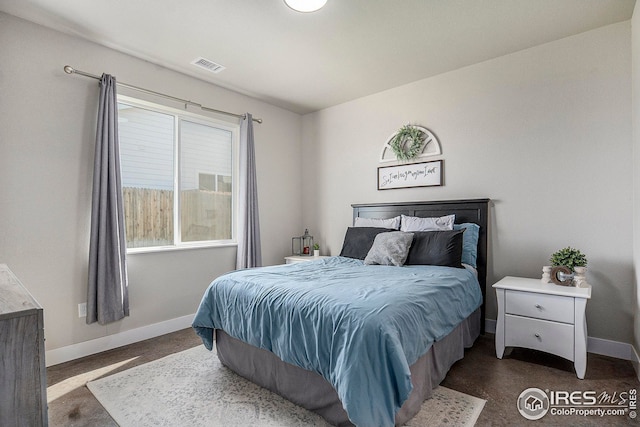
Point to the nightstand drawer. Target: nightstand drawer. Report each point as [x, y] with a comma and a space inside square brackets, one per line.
[541, 306]
[555, 338]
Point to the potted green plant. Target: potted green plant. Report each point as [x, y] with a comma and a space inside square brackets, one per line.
[569, 257]
[316, 250]
[574, 260]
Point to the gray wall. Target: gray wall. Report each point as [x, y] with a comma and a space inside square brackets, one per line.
[47, 134]
[545, 133]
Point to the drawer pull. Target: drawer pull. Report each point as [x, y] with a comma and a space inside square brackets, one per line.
[537, 335]
[538, 306]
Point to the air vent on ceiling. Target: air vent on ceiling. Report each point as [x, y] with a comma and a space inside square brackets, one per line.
[208, 65]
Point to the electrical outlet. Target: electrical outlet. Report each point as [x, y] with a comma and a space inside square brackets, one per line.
[82, 309]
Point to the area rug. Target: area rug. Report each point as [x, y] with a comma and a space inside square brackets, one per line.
[192, 388]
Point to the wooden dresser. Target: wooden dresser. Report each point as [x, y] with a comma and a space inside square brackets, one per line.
[23, 384]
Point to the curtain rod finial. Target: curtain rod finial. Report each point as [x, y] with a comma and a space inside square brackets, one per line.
[69, 69]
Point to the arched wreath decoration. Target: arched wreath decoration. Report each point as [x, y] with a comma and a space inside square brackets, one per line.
[408, 142]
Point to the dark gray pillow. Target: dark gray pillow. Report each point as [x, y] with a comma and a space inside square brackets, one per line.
[390, 248]
[442, 248]
[358, 241]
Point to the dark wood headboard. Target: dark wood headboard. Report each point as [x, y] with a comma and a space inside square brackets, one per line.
[472, 210]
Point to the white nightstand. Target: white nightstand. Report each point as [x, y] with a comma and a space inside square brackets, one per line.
[301, 258]
[543, 316]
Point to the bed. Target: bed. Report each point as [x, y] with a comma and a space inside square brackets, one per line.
[356, 343]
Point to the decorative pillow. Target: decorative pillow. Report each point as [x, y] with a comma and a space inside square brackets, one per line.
[414, 223]
[390, 248]
[469, 242]
[358, 241]
[442, 248]
[378, 222]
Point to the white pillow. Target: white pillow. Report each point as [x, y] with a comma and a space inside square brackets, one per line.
[378, 222]
[414, 223]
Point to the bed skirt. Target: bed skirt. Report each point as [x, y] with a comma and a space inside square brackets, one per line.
[311, 391]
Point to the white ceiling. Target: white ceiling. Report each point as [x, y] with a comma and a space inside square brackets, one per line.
[306, 62]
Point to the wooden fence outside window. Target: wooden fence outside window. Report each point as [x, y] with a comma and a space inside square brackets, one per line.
[148, 216]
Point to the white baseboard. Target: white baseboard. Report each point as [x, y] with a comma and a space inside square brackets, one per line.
[87, 348]
[619, 350]
[616, 349]
[490, 326]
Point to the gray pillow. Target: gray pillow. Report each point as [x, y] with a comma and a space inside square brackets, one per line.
[390, 248]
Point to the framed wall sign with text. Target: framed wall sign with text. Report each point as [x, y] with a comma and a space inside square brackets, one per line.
[427, 174]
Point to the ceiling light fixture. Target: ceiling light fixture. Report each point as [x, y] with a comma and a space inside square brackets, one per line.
[305, 5]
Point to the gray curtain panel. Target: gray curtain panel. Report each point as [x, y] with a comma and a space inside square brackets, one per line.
[107, 294]
[249, 252]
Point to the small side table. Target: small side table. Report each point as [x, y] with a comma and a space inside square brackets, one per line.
[302, 258]
[543, 316]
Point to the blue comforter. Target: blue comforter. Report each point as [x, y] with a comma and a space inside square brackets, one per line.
[359, 326]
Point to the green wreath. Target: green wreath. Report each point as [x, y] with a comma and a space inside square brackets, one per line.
[407, 142]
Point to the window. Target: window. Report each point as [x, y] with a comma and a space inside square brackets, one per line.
[164, 153]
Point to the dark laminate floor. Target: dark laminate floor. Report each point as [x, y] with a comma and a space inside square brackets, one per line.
[479, 374]
[500, 382]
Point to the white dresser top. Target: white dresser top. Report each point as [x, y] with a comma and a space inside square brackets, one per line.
[536, 285]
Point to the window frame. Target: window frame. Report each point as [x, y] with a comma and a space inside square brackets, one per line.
[178, 117]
